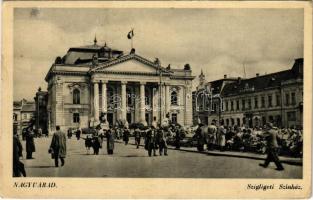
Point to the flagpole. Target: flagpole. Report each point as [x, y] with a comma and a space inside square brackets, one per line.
[131, 43]
[132, 38]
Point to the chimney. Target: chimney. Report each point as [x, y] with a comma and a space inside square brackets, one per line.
[225, 75]
[257, 74]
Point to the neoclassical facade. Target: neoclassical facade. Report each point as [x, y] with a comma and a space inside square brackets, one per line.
[96, 79]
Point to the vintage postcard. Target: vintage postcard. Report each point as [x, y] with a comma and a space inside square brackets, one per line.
[160, 99]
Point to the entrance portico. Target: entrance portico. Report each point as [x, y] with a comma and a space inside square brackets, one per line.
[127, 100]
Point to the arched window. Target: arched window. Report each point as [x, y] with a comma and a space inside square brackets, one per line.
[174, 100]
[76, 96]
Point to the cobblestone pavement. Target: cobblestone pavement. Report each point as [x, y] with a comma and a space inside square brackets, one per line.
[127, 161]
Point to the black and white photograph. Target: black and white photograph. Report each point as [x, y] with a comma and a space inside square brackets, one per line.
[158, 93]
[146, 98]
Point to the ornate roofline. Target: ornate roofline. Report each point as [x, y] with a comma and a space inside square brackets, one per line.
[130, 73]
[126, 58]
[75, 73]
[183, 77]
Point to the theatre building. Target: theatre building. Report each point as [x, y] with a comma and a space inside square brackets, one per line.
[96, 79]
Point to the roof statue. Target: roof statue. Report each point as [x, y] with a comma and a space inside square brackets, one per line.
[95, 40]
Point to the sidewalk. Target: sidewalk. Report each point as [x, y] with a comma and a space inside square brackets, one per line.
[248, 155]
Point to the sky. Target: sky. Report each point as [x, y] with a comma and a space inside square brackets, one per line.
[218, 41]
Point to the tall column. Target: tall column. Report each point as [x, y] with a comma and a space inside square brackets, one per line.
[167, 99]
[163, 99]
[161, 103]
[123, 97]
[142, 104]
[96, 101]
[104, 97]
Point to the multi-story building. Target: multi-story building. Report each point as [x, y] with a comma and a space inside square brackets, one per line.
[96, 79]
[275, 97]
[23, 113]
[41, 114]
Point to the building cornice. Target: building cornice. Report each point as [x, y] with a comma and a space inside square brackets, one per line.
[102, 66]
[129, 73]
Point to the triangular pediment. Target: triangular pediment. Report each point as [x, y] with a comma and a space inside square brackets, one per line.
[130, 66]
[129, 63]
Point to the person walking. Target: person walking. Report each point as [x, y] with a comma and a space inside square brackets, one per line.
[58, 146]
[212, 129]
[30, 144]
[270, 135]
[126, 135]
[199, 135]
[177, 137]
[88, 143]
[137, 136]
[78, 132]
[221, 135]
[110, 142]
[69, 133]
[151, 141]
[18, 166]
[95, 144]
[162, 136]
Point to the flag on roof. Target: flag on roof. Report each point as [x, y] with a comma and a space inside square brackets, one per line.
[130, 34]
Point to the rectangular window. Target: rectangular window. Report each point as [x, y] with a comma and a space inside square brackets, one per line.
[226, 105]
[237, 102]
[243, 104]
[76, 117]
[293, 98]
[256, 102]
[262, 102]
[278, 100]
[231, 105]
[249, 104]
[129, 118]
[174, 118]
[214, 108]
[287, 99]
[269, 100]
[174, 98]
[129, 100]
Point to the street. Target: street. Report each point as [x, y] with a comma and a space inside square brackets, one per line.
[127, 161]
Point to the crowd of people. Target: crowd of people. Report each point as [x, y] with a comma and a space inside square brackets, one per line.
[243, 139]
[154, 137]
[157, 137]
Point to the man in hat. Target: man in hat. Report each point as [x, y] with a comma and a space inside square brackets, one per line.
[137, 135]
[162, 140]
[151, 138]
[58, 145]
[270, 135]
[30, 143]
